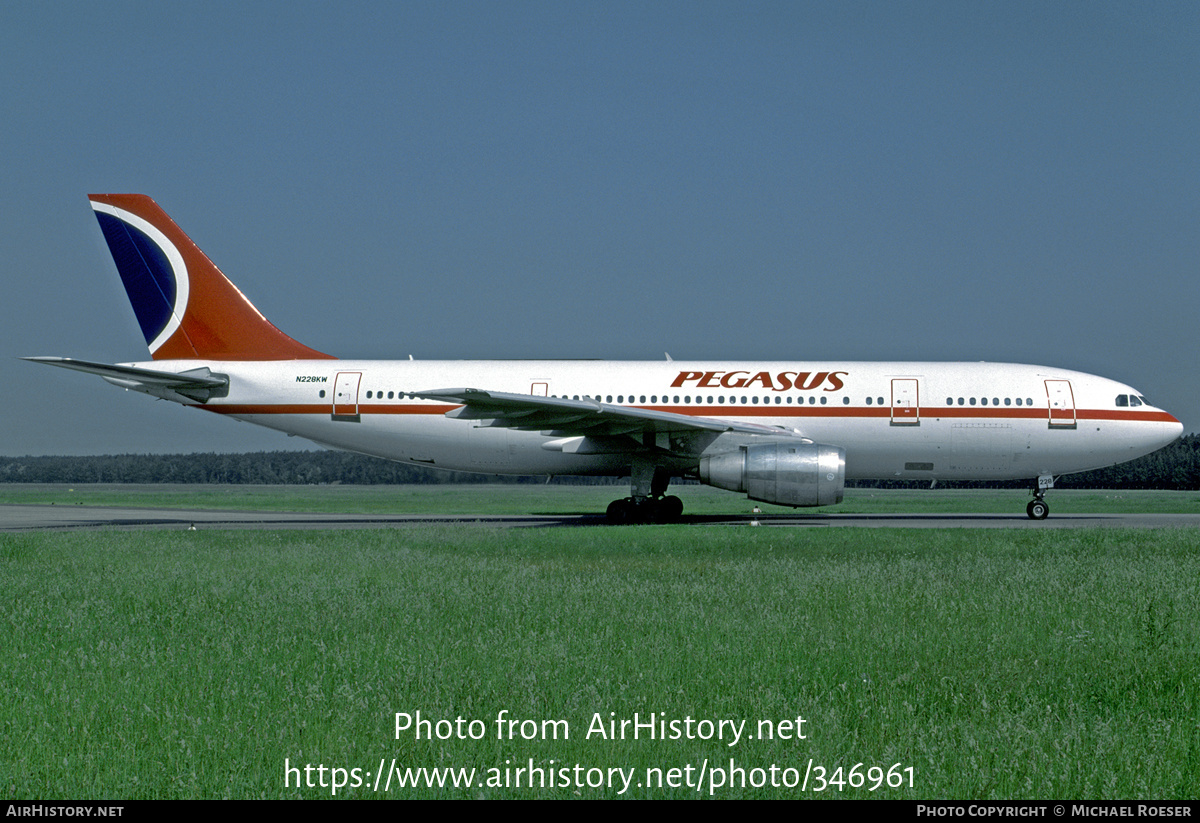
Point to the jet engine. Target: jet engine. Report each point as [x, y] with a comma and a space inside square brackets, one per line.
[789, 474]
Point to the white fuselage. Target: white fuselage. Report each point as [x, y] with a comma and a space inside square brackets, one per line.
[895, 420]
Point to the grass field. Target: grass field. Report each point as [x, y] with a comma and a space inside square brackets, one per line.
[993, 664]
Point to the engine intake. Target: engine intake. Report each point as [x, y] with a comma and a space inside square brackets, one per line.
[799, 474]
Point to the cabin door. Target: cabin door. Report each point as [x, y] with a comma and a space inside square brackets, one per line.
[906, 407]
[345, 396]
[1061, 403]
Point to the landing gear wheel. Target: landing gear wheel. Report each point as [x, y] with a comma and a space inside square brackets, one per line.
[1037, 510]
[621, 512]
[663, 510]
[668, 509]
[629, 511]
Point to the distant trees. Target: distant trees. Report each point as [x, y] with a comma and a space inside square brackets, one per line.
[1175, 467]
[291, 467]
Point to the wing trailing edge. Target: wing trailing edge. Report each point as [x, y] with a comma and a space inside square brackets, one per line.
[564, 417]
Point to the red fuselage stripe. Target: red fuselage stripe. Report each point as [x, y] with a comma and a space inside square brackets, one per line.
[989, 413]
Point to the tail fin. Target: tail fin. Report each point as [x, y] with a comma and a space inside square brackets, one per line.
[186, 307]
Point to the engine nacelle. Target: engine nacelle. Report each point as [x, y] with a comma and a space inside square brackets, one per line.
[789, 474]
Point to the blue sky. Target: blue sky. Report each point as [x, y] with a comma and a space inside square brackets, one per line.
[859, 181]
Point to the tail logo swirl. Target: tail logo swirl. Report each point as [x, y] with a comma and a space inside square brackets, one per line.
[152, 269]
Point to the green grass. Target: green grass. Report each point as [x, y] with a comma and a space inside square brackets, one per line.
[997, 664]
[548, 499]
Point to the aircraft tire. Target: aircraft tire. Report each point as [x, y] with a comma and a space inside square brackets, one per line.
[620, 512]
[1037, 510]
[668, 509]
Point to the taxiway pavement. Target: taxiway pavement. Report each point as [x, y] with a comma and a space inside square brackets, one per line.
[21, 517]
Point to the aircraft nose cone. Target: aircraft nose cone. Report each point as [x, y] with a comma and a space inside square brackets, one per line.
[1170, 430]
[1176, 431]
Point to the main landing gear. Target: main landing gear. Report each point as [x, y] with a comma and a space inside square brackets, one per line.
[631, 510]
[648, 502]
[1037, 508]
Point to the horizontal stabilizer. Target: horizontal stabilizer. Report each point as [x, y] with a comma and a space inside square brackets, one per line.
[199, 384]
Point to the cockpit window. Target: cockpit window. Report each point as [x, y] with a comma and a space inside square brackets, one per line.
[1122, 400]
[1134, 401]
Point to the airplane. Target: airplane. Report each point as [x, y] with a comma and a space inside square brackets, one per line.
[786, 433]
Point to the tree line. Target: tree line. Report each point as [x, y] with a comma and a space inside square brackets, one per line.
[1175, 467]
[280, 467]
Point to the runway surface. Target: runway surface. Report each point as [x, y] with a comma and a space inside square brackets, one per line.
[19, 518]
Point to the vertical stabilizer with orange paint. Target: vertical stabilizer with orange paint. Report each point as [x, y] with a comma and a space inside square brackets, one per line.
[186, 307]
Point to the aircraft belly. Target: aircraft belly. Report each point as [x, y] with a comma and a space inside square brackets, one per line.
[949, 449]
[436, 441]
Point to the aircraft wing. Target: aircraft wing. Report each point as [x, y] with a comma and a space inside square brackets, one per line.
[199, 384]
[562, 417]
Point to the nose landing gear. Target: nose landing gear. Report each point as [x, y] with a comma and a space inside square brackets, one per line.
[1037, 508]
